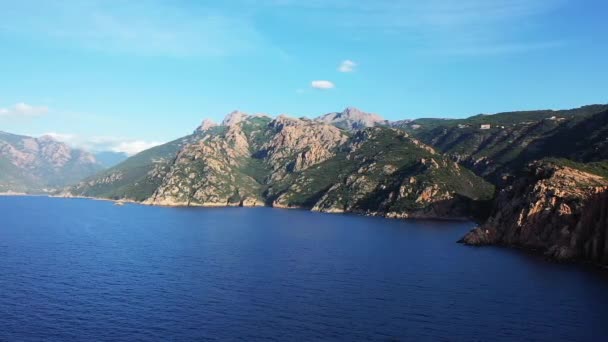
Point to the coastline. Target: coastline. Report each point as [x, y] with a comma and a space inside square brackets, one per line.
[256, 204]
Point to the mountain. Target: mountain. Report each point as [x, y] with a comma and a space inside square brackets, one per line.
[296, 163]
[352, 119]
[109, 158]
[39, 164]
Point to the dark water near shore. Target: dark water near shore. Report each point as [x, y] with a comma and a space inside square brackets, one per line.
[76, 269]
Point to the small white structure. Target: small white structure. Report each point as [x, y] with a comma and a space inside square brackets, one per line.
[485, 126]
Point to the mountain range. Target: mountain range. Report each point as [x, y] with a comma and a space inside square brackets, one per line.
[532, 179]
[352, 162]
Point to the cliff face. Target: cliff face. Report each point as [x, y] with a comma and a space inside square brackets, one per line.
[557, 210]
[297, 144]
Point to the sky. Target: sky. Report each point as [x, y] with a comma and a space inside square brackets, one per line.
[126, 75]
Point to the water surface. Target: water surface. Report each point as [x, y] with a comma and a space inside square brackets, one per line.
[75, 269]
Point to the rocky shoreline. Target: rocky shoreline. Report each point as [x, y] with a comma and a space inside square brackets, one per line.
[555, 210]
[174, 204]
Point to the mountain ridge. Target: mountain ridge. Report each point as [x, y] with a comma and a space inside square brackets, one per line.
[253, 160]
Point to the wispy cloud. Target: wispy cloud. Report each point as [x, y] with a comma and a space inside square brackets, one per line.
[452, 27]
[134, 27]
[66, 138]
[103, 143]
[322, 84]
[23, 110]
[347, 66]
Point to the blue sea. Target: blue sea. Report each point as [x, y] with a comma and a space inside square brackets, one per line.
[84, 270]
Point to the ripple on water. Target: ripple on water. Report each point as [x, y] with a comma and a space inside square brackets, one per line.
[88, 270]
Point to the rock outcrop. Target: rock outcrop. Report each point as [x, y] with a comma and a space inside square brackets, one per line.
[557, 210]
[205, 125]
[297, 144]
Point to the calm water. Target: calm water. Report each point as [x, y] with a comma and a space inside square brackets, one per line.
[89, 270]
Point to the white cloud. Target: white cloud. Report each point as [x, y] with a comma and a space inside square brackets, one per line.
[322, 84]
[23, 109]
[103, 143]
[347, 66]
[134, 146]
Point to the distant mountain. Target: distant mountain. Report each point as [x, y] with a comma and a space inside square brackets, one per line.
[39, 164]
[109, 158]
[287, 162]
[352, 119]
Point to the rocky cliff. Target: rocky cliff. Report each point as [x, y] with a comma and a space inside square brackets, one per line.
[554, 209]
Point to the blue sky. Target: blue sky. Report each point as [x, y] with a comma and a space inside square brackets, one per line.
[124, 75]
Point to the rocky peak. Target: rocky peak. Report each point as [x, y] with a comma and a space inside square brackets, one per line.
[205, 125]
[283, 121]
[353, 112]
[352, 118]
[234, 118]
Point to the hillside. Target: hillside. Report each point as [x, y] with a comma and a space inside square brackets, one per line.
[42, 164]
[135, 178]
[512, 140]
